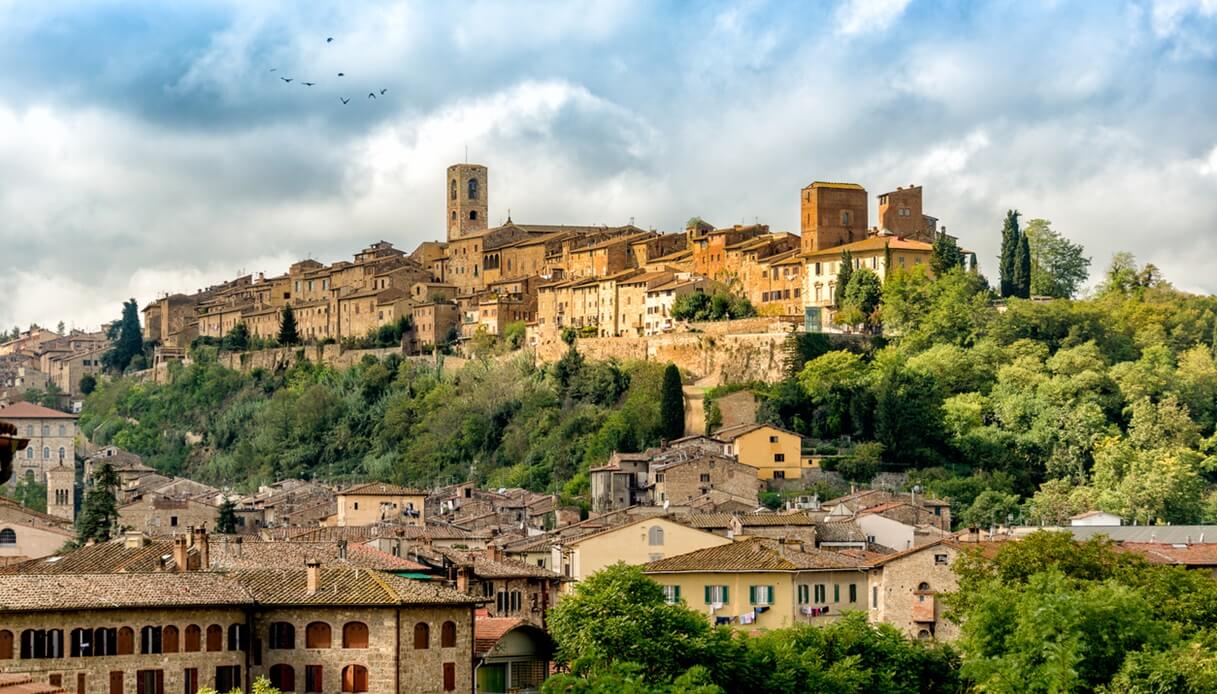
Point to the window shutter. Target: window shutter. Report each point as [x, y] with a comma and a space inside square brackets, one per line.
[676, 593]
[726, 595]
[752, 594]
[707, 595]
[769, 597]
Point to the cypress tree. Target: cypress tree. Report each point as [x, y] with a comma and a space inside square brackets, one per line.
[127, 337]
[288, 335]
[99, 514]
[226, 522]
[946, 255]
[1009, 251]
[844, 272]
[672, 405]
[1022, 268]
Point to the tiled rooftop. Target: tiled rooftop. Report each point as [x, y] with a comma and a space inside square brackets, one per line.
[754, 555]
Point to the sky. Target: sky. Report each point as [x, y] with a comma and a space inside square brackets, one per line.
[153, 147]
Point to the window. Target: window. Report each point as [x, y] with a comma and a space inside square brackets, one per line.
[473, 214]
[853, 592]
[282, 636]
[836, 592]
[517, 600]
[116, 682]
[717, 594]
[41, 643]
[46, 452]
[941, 559]
[449, 677]
[488, 589]
[655, 535]
[190, 680]
[760, 595]
[215, 638]
[773, 439]
[317, 635]
[447, 637]
[150, 640]
[46, 429]
[238, 637]
[80, 643]
[779, 457]
[63, 430]
[473, 189]
[804, 594]
[6, 644]
[150, 682]
[8, 536]
[671, 594]
[354, 678]
[283, 677]
[704, 477]
[105, 641]
[422, 636]
[228, 677]
[821, 593]
[779, 474]
[844, 217]
[193, 637]
[452, 194]
[173, 521]
[313, 678]
[874, 597]
[126, 642]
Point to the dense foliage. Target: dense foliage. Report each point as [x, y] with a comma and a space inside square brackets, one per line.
[500, 422]
[1047, 614]
[719, 305]
[617, 633]
[128, 340]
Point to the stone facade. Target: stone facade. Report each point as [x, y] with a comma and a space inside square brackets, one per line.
[900, 212]
[683, 481]
[52, 436]
[832, 214]
[903, 591]
[467, 198]
[155, 514]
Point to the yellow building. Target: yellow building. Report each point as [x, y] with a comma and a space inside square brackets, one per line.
[873, 253]
[775, 453]
[644, 540]
[369, 504]
[763, 584]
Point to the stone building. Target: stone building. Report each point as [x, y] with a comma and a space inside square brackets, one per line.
[61, 492]
[52, 436]
[873, 253]
[903, 590]
[900, 212]
[831, 215]
[467, 200]
[509, 587]
[308, 629]
[683, 479]
[165, 514]
[376, 502]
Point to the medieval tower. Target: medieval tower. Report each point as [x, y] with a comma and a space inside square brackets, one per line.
[61, 491]
[468, 194]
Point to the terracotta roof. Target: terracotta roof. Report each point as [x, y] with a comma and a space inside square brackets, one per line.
[830, 184]
[381, 489]
[839, 531]
[504, 568]
[774, 519]
[1181, 554]
[103, 558]
[874, 243]
[22, 683]
[754, 555]
[734, 432]
[34, 592]
[488, 631]
[345, 587]
[258, 554]
[27, 410]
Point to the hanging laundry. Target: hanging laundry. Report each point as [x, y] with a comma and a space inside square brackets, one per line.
[719, 621]
[761, 609]
[747, 618]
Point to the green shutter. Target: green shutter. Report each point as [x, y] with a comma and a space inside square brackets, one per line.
[726, 596]
[752, 594]
[677, 593]
[769, 597]
[707, 595]
[836, 592]
[853, 592]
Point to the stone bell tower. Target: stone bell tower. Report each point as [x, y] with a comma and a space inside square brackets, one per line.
[468, 195]
[61, 491]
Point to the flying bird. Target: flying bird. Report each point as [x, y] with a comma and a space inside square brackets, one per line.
[344, 101]
[382, 91]
[286, 79]
[274, 69]
[342, 74]
[330, 40]
[371, 95]
[309, 84]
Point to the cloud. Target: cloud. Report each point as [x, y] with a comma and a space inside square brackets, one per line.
[868, 16]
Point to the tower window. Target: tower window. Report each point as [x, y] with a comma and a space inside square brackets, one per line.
[452, 188]
[844, 217]
[473, 189]
[473, 214]
[454, 215]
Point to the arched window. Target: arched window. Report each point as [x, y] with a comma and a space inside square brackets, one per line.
[923, 634]
[282, 635]
[169, 639]
[126, 641]
[40, 643]
[453, 189]
[473, 214]
[655, 535]
[317, 635]
[355, 635]
[422, 636]
[46, 452]
[283, 678]
[29, 454]
[6, 644]
[238, 637]
[193, 639]
[80, 643]
[150, 640]
[8, 536]
[454, 215]
[105, 641]
[447, 635]
[354, 678]
[473, 189]
[215, 638]
[62, 452]
[923, 587]
[63, 430]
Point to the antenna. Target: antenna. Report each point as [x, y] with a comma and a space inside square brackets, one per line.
[466, 154]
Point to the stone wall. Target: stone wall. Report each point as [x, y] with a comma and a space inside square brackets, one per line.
[280, 357]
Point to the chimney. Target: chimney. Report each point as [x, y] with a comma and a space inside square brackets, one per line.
[200, 541]
[180, 553]
[313, 571]
[342, 550]
[190, 535]
[494, 553]
[133, 539]
[462, 580]
[237, 550]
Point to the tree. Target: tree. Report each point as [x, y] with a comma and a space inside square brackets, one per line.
[226, 521]
[98, 520]
[61, 329]
[237, 339]
[991, 508]
[88, 384]
[862, 463]
[1058, 266]
[618, 615]
[845, 271]
[28, 493]
[945, 256]
[672, 405]
[1010, 238]
[863, 295]
[127, 337]
[288, 334]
